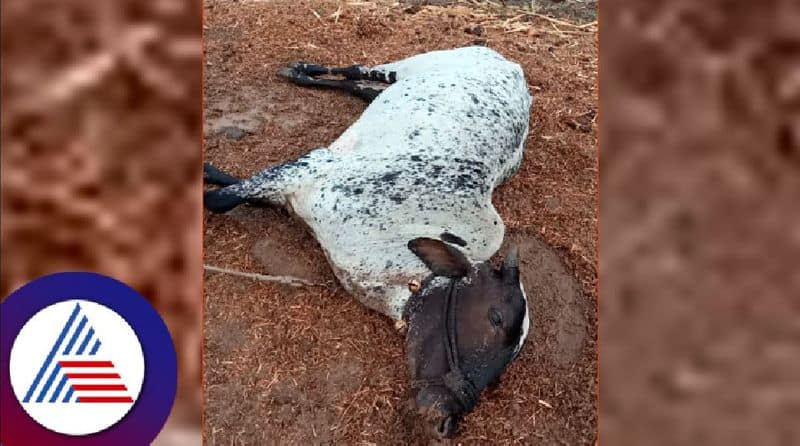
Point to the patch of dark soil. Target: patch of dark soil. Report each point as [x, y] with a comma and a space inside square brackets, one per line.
[233, 132]
[275, 260]
[558, 308]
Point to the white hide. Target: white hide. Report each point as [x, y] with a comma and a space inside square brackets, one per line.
[423, 159]
[526, 323]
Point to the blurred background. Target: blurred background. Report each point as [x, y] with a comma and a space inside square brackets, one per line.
[101, 155]
[699, 222]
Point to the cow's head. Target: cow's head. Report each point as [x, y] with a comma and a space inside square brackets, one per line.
[488, 323]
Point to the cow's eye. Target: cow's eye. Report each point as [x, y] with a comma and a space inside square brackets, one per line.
[495, 318]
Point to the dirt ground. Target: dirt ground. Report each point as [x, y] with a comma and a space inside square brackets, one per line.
[309, 365]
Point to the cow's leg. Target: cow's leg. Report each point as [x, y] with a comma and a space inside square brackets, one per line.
[360, 89]
[212, 175]
[270, 186]
[359, 81]
[213, 200]
[350, 72]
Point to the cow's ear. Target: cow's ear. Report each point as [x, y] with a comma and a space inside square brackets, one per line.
[443, 259]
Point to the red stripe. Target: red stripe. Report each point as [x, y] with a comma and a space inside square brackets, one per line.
[105, 399]
[86, 363]
[92, 375]
[99, 387]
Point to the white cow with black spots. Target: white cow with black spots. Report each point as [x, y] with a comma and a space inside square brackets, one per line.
[404, 196]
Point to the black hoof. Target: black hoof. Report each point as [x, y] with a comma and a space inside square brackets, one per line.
[297, 77]
[288, 72]
[309, 69]
[295, 69]
[212, 175]
[218, 201]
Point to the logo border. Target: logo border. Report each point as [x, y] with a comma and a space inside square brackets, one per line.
[147, 417]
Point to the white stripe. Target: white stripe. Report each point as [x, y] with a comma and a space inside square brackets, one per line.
[89, 370]
[526, 322]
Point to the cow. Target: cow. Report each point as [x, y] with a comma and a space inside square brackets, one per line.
[401, 206]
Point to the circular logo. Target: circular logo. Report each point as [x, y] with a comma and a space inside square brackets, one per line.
[85, 360]
[76, 367]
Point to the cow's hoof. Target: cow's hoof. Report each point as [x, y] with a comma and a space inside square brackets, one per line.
[288, 72]
[297, 77]
[219, 202]
[293, 69]
[212, 175]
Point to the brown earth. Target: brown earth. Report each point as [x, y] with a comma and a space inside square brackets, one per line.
[700, 222]
[579, 11]
[101, 123]
[310, 365]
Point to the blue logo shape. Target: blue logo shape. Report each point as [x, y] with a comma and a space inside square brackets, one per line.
[69, 369]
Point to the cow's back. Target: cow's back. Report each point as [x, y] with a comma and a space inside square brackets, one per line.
[466, 103]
